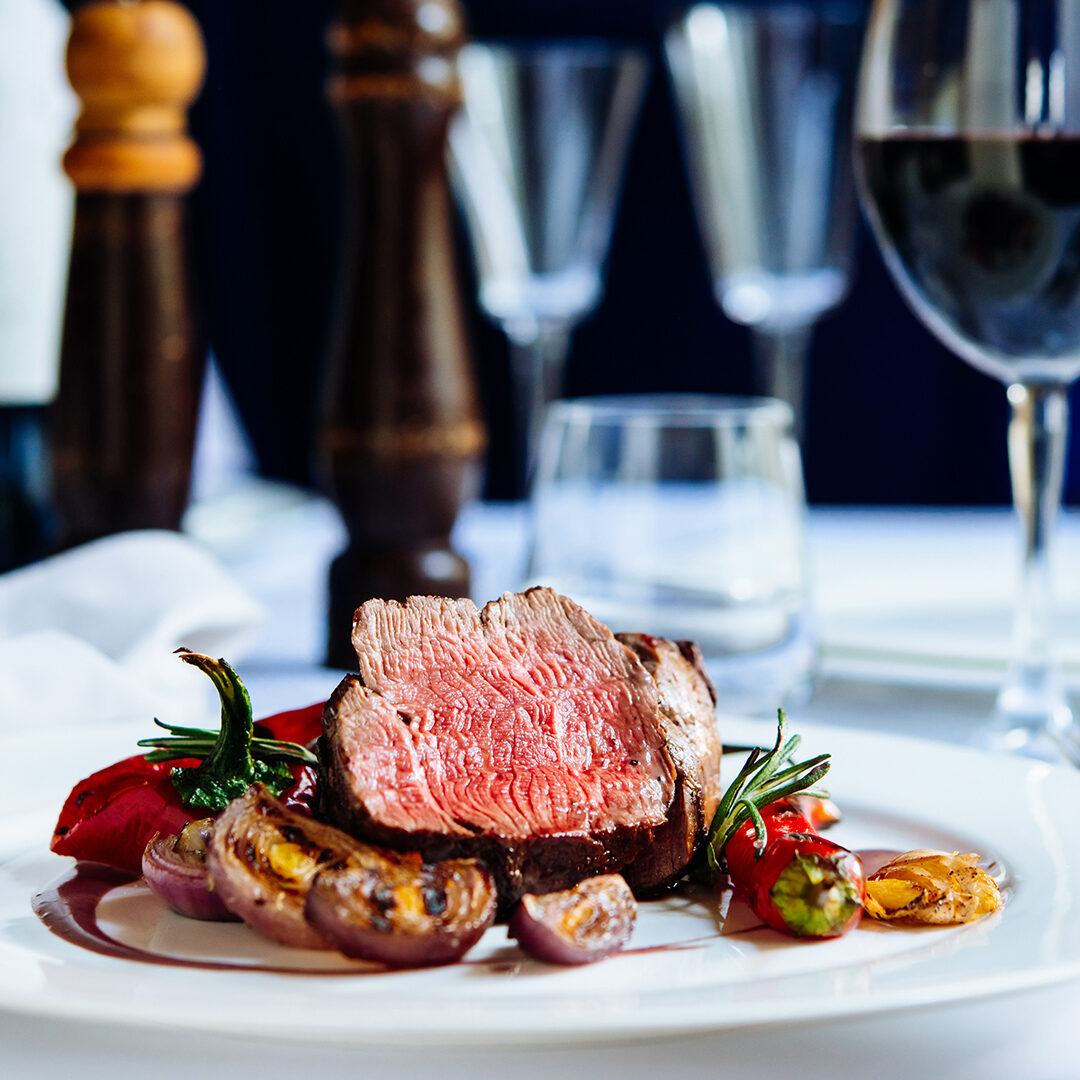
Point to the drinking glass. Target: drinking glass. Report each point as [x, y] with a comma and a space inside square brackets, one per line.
[764, 94]
[682, 517]
[968, 155]
[537, 155]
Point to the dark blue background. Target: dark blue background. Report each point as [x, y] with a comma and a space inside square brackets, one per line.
[894, 418]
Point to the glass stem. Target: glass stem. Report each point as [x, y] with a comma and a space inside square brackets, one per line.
[1031, 706]
[780, 368]
[537, 364]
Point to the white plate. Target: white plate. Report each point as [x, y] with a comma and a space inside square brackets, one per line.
[897, 794]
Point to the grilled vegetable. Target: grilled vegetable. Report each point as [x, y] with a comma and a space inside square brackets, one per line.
[111, 815]
[932, 887]
[799, 883]
[175, 869]
[263, 858]
[307, 884]
[795, 881]
[576, 926]
[821, 813]
[394, 910]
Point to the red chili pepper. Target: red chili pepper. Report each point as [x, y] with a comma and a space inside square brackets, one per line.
[821, 813]
[801, 884]
[110, 816]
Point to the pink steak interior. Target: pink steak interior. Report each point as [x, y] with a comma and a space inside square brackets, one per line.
[525, 719]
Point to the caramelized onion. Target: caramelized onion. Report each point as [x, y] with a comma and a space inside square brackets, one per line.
[307, 884]
[175, 869]
[578, 925]
[394, 910]
[263, 857]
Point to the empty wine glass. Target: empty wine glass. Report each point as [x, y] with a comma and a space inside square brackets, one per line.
[537, 155]
[764, 93]
[968, 131]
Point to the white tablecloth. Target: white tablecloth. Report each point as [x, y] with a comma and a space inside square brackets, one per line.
[1032, 1035]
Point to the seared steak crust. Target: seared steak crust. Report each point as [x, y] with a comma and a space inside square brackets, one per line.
[688, 718]
[523, 734]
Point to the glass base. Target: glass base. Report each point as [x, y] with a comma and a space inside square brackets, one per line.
[1048, 733]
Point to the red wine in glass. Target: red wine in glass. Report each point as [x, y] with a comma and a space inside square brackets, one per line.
[984, 235]
[968, 159]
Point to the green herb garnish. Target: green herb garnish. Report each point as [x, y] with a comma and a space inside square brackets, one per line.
[233, 759]
[766, 777]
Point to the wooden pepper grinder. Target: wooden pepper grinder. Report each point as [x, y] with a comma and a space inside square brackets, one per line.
[402, 440]
[131, 362]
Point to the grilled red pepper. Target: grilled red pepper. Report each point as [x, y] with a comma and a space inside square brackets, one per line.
[110, 816]
[796, 881]
[800, 883]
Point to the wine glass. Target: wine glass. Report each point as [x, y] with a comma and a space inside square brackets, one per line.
[968, 157]
[537, 156]
[764, 94]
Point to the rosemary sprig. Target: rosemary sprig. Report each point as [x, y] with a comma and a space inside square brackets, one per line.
[184, 742]
[230, 760]
[766, 777]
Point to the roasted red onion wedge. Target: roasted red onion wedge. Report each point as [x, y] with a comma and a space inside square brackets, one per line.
[397, 911]
[175, 869]
[263, 858]
[269, 863]
[576, 926]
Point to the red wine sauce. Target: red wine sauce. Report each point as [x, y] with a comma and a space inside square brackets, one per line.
[69, 910]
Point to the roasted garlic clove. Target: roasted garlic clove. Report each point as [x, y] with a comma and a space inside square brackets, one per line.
[933, 887]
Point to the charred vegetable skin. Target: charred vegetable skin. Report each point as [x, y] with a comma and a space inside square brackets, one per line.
[310, 885]
[262, 859]
[576, 926]
[796, 881]
[110, 816]
[397, 911]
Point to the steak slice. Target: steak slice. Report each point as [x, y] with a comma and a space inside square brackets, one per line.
[523, 734]
[688, 718]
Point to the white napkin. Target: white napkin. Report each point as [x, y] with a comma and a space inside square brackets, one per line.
[88, 636]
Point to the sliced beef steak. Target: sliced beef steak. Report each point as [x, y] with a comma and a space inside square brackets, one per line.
[688, 718]
[524, 734]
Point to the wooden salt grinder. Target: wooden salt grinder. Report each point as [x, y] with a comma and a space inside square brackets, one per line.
[131, 361]
[402, 440]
